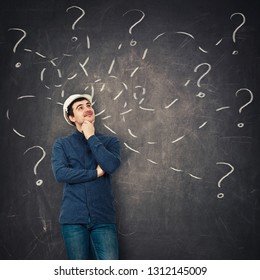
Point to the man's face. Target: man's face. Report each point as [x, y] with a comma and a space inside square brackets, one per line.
[82, 111]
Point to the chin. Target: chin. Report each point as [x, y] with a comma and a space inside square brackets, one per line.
[90, 119]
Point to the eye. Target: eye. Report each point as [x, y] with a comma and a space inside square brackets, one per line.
[80, 108]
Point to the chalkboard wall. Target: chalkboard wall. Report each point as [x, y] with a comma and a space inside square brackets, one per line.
[176, 81]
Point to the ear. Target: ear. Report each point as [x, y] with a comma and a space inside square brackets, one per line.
[72, 118]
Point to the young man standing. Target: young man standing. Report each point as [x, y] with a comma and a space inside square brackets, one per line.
[84, 162]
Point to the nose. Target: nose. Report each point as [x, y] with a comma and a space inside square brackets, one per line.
[88, 110]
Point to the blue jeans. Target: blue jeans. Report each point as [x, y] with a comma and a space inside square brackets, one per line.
[83, 239]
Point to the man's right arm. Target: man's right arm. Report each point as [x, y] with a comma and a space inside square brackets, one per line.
[64, 173]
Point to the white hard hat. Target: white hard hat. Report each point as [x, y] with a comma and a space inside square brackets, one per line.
[69, 100]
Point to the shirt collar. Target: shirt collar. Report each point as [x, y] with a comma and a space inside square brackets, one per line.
[79, 135]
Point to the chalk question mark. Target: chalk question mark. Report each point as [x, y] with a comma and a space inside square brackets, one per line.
[240, 125]
[202, 94]
[221, 195]
[18, 64]
[235, 31]
[40, 181]
[133, 42]
[77, 20]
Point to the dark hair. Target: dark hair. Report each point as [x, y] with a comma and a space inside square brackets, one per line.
[70, 110]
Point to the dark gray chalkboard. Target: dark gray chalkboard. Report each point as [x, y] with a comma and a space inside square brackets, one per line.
[178, 83]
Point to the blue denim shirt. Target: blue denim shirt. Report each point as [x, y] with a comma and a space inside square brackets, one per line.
[74, 162]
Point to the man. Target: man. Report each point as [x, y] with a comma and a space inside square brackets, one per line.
[84, 162]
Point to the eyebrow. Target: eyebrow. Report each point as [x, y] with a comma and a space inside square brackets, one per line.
[87, 103]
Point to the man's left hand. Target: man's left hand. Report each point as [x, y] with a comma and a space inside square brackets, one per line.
[88, 129]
